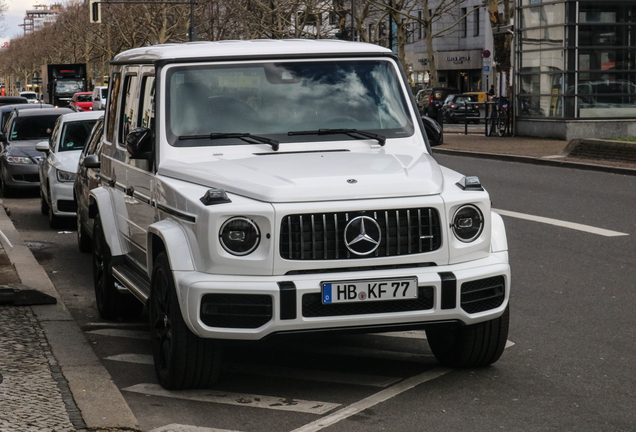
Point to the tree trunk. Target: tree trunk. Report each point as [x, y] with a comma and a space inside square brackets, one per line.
[428, 37]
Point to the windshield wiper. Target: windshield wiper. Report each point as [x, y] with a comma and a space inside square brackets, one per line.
[351, 132]
[242, 136]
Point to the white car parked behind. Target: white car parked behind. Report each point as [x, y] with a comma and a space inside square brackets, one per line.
[100, 93]
[58, 168]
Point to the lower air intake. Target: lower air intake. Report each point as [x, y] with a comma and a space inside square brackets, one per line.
[236, 310]
[484, 294]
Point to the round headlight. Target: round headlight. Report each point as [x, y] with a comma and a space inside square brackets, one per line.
[468, 223]
[240, 236]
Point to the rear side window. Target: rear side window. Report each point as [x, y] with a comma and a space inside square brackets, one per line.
[129, 108]
[112, 108]
[147, 103]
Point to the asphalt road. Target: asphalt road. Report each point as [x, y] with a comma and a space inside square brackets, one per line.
[570, 364]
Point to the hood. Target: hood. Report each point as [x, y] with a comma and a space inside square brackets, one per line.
[66, 160]
[314, 176]
[25, 148]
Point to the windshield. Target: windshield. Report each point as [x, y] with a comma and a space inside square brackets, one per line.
[84, 98]
[28, 95]
[68, 86]
[104, 93]
[75, 134]
[32, 127]
[272, 99]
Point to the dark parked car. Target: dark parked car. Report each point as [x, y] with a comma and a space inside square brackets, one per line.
[430, 100]
[18, 157]
[457, 107]
[12, 100]
[433, 131]
[7, 110]
[86, 180]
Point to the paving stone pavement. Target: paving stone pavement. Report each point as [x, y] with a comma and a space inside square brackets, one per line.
[34, 395]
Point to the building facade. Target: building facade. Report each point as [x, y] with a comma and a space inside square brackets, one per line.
[575, 74]
[462, 54]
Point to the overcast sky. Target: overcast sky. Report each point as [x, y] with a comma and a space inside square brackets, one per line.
[15, 16]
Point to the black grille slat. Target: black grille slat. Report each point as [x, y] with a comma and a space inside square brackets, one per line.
[320, 236]
[236, 310]
[483, 294]
[313, 307]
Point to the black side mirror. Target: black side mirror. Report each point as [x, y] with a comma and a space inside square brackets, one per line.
[92, 161]
[139, 143]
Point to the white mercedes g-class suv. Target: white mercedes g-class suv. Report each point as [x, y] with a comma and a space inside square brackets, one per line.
[257, 188]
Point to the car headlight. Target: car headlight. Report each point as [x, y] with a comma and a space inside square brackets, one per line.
[468, 223]
[19, 160]
[240, 236]
[65, 176]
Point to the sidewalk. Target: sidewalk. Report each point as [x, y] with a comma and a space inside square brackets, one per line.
[51, 380]
[602, 156]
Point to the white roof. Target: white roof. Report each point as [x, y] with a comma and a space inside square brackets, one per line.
[79, 116]
[256, 47]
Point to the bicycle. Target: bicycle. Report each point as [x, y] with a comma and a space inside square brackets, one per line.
[500, 117]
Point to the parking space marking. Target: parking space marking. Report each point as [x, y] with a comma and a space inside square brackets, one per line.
[130, 334]
[368, 353]
[560, 223]
[282, 372]
[115, 324]
[373, 400]
[246, 400]
[413, 334]
[188, 428]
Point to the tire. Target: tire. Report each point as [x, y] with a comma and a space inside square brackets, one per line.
[111, 304]
[44, 206]
[476, 345]
[55, 222]
[502, 124]
[83, 240]
[182, 359]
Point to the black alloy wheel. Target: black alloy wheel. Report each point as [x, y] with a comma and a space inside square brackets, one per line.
[103, 281]
[182, 359]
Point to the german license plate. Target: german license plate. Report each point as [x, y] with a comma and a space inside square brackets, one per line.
[369, 290]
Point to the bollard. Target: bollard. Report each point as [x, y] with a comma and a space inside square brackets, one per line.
[465, 118]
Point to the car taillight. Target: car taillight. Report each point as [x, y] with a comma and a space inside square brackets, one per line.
[452, 105]
[476, 106]
[431, 102]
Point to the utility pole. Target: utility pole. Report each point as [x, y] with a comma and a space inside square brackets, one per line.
[353, 20]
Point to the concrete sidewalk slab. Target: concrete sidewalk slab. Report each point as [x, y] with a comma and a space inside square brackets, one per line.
[98, 399]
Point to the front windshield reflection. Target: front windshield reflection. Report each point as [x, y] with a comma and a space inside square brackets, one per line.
[272, 99]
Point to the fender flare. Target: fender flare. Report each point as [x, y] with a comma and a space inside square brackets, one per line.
[177, 245]
[100, 203]
[498, 239]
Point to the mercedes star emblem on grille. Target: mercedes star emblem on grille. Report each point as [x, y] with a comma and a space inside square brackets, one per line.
[362, 235]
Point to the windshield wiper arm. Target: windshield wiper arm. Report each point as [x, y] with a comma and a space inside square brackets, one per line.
[242, 136]
[351, 132]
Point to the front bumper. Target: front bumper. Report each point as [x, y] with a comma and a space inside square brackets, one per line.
[62, 200]
[21, 175]
[443, 284]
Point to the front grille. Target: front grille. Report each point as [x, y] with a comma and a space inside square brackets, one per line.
[320, 236]
[236, 310]
[66, 206]
[33, 178]
[484, 294]
[313, 306]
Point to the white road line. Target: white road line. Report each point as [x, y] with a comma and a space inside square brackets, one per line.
[187, 428]
[368, 353]
[282, 372]
[373, 400]
[413, 334]
[246, 400]
[560, 223]
[115, 324]
[130, 334]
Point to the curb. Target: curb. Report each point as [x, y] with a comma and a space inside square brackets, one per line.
[98, 399]
[538, 161]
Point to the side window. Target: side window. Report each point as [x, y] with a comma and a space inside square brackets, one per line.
[96, 139]
[147, 103]
[112, 107]
[128, 115]
[55, 134]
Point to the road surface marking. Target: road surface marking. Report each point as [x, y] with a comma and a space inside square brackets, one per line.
[282, 372]
[115, 324]
[130, 334]
[413, 334]
[373, 400]
[187, 428]
[246, 400]
[367, 353]
[560, 223]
